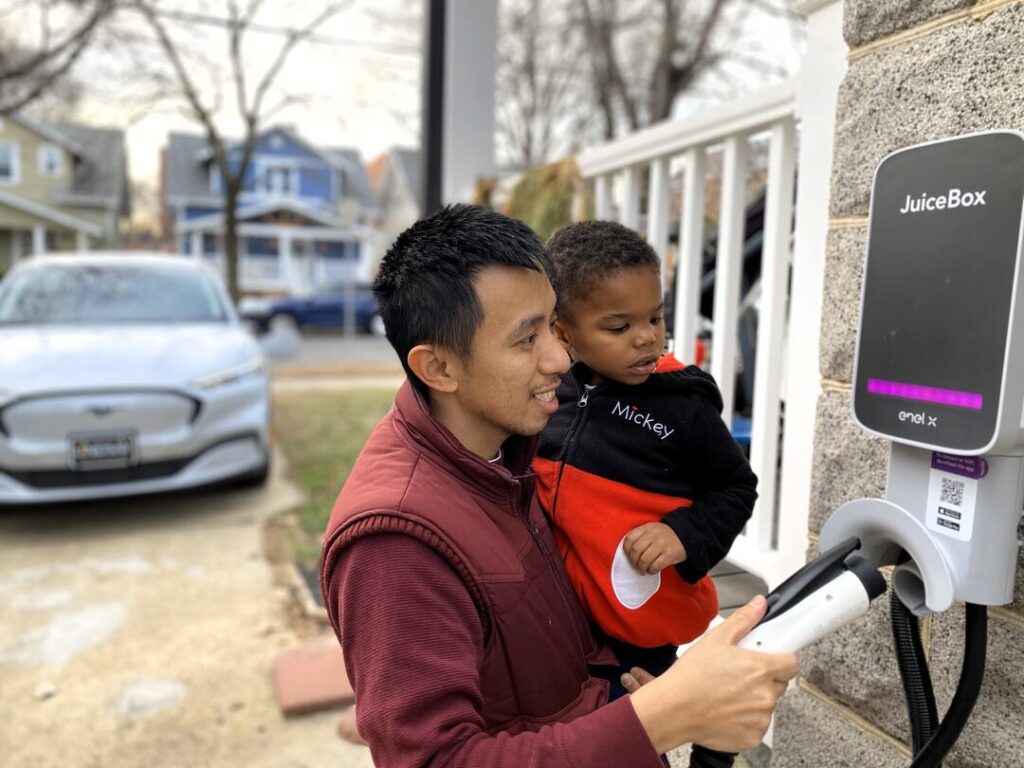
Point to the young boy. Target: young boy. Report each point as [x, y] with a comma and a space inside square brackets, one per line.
[644, 485]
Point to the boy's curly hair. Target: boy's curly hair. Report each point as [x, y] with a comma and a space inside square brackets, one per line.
[589, 251]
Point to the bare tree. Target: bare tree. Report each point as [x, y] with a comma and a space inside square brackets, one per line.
[644, 54]
[251, 101]
[31, 65]
[538, 83]
[574, 71]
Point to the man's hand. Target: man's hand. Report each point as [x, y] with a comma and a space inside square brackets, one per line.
[716, 694]
[653, 547]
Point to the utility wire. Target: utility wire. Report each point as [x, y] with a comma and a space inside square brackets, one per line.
[205, 19]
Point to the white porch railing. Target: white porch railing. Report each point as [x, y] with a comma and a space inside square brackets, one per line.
[729, 128]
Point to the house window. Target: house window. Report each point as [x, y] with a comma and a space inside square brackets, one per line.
[51, 160]
[276, 179]
[10, 165]
[262, 246]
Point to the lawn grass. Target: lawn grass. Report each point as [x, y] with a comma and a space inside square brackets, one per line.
[321, 434]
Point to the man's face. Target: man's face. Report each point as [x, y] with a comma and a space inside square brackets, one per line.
[618, 328]
[507, 385]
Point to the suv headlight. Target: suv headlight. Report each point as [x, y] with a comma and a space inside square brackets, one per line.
[229, 375]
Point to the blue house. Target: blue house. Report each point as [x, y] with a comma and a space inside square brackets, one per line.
[302, 213]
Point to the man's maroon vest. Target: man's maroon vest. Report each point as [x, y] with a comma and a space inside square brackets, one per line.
[413, 477]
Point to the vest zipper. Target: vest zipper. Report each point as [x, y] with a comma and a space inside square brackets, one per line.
[559, 577]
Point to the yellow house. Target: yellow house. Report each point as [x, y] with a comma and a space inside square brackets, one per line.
[63, 187]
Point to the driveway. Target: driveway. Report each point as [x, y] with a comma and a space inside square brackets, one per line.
[293, 354]
[141, 633]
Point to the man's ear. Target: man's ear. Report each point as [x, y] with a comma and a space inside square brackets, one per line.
[563, 334]
[431, 366]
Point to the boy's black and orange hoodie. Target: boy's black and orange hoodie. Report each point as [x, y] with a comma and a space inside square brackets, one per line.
[616, 456]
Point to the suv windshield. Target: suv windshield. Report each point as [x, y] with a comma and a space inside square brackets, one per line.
[109, 293]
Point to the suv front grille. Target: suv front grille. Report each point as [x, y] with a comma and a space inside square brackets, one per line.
[70, 478]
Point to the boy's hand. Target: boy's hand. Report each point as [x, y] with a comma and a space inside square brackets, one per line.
[653, 547]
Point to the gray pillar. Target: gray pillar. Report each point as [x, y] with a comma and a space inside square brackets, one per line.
[38, 239]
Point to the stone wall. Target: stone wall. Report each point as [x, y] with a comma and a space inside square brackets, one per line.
[918, 70]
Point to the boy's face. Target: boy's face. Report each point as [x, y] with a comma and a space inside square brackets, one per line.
[618, 328]
[507, 385]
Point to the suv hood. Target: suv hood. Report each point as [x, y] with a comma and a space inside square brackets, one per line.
[43, 358]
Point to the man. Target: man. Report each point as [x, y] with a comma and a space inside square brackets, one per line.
[462, 637]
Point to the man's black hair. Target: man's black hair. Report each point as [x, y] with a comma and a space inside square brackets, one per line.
[425, 287]
[589, 251]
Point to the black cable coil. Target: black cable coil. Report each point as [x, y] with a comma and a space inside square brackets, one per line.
[917, 683]
[972, 673]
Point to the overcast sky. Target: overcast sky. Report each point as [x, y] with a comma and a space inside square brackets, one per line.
[360, 84]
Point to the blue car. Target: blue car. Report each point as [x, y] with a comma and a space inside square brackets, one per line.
[324, 309]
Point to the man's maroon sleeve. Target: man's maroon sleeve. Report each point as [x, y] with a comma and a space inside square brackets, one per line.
[413, 645]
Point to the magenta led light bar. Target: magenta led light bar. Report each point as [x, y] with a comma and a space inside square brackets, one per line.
[925, 394]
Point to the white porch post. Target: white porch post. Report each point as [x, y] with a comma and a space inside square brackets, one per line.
[38, 239]
[823, 69]
[284, 253]
[81, 242]
[197, 245]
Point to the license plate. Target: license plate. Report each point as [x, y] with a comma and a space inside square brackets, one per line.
[103, 451]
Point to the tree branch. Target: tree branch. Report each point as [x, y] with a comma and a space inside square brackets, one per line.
[294, 37]
[236, 28]
[66, 52]
[188, 88]
[35, 68]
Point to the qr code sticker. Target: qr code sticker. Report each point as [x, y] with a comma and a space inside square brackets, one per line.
[952, 492]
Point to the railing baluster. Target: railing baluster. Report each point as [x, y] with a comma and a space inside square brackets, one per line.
[778, 217]
[690, 256]
[631, 198]
[603, 197]
[657, 211]
[728, 268]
